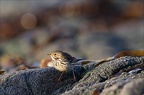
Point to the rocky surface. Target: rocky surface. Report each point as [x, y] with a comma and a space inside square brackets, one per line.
[108, 78]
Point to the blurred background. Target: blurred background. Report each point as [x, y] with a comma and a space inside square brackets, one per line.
[91, 29]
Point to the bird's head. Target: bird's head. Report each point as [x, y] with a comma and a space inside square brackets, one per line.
[60, 55]
[56, 55]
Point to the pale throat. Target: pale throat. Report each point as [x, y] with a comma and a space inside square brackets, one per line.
[52, 58]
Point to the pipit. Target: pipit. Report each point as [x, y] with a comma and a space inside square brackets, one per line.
[63, 62]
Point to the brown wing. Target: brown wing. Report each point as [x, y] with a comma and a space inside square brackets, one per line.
[68, 57]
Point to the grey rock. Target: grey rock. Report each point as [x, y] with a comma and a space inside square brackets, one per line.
[93, 78]
[135, 87]
[127, 87]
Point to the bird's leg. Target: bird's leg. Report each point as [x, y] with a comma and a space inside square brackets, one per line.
[60, 77]
[74, 76]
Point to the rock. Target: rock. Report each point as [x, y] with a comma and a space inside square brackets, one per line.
[36, 81]
[94, 80]
[102, 76]
[133, 87]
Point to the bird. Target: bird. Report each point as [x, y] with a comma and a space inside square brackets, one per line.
[63, 62]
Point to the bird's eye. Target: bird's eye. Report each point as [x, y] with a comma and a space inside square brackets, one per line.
[55, 54]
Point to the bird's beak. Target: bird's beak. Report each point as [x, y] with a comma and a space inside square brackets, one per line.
[48, 54]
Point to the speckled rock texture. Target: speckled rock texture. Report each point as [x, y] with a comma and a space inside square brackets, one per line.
[108, 78]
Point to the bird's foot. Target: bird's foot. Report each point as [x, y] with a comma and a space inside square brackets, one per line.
[75, 79]
[58, 80]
